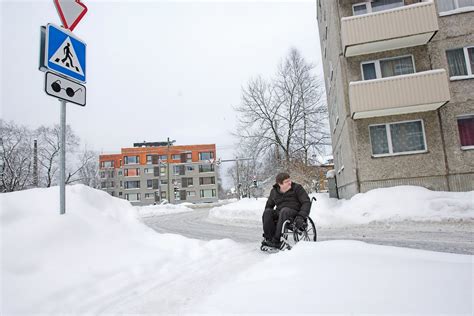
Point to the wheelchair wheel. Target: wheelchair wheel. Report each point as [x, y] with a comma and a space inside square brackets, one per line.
[308, 234]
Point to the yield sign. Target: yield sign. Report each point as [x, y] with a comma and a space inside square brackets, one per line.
[70, 12]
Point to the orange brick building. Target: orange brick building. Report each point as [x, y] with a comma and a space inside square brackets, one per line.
[150, 172]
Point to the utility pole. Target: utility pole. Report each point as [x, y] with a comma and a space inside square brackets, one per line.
[168, 168]
[35, 163]
[238, 177]
[237, 159]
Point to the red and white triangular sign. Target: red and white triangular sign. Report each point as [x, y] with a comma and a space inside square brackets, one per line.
[70, 12]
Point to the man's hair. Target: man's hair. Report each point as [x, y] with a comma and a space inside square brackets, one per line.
[282, 176]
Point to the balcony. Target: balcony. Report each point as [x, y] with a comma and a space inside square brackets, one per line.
[407, 26]
[418, 92]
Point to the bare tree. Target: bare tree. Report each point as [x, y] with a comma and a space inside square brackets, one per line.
[48, 150]
[16, 156]
[85, 170]
[286, 115]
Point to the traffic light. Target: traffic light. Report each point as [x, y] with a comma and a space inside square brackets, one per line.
[176, 189]
[255, 183]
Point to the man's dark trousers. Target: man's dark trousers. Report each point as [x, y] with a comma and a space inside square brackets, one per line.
[272, 230]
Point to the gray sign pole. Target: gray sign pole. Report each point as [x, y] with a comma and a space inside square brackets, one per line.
[62, 163]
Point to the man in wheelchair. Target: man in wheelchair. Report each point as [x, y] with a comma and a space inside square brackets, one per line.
[291, 202]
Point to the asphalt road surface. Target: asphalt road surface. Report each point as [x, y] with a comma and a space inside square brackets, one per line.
[446, 236]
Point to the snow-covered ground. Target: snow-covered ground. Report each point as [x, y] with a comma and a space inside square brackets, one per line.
[385, 205]
[100, 258]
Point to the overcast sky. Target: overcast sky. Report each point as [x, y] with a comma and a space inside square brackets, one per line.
[155, 69]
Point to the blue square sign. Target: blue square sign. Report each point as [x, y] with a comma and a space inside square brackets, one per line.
[65, 53]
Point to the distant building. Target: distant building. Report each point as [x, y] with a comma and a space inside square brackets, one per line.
[399, 78]
[140, 174]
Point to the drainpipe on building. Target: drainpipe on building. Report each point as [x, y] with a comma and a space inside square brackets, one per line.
[446, 166]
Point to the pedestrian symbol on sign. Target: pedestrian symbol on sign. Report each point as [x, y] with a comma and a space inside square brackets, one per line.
[65, 56]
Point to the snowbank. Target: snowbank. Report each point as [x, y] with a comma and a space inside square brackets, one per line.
[244, 210]
[394, 204]
[386, 204]
[349, 277]
[158, 210]
[97, 257]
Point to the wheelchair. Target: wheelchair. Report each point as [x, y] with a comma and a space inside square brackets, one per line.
[291, 234]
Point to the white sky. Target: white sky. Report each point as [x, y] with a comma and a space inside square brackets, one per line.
[154, 68]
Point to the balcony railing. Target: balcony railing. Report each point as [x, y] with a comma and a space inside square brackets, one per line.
[418, 92]
[406, 26]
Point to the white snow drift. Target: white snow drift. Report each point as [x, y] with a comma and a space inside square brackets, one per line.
[387, 204]
[99, 258]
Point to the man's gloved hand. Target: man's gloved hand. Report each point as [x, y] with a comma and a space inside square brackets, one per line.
[300, 223]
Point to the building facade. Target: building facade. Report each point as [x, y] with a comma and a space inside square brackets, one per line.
[399, 78]
[140, 174]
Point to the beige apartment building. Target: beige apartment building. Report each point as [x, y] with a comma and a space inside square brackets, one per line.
[399, 78]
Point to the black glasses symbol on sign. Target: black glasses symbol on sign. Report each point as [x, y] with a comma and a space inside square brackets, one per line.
[57, 88]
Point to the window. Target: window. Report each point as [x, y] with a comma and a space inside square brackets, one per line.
[206, 168]
[178, 170]
[397, 138]
[164, 181]
[131, 172]
[119, 172]
[189, 168]
[132, 184]
[103, 185]
[163, 157]
[375, 6]
[111, 184]
[466, 131]
[149, 184]
[107, 164]
[132, 196]
[206, 155]
[112, 193]
[176, 157]
[163, 194]
[148, 170]
[120, 194]
[461, 62]
[189, 157]
[102, 174]
[129, 160]
[388, 67]
[208, 193]
[452, 5]
[207, 180]
[149, 159]
[187, 182]
[149, 196]
[121, 184]
[191, 193]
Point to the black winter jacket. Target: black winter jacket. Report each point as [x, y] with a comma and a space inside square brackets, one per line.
[295, 198]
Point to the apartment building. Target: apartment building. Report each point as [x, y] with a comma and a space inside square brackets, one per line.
[399, 78]
[140, 174]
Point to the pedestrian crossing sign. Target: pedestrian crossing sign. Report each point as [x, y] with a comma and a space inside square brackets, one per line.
[65, 53]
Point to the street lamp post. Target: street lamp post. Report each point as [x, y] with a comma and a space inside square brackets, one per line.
[168, 158]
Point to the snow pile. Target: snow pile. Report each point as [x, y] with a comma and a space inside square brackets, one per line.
[394, 204]
[386, 204]
[165, 209]
[243, 210]
[99, 256]
[349, 277]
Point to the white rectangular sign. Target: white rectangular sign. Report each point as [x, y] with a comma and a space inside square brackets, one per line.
[64, 89]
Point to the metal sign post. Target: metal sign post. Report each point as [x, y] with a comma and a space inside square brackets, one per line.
[62, 164]
[63, 58]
